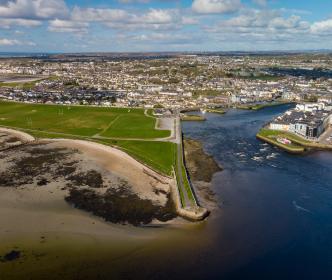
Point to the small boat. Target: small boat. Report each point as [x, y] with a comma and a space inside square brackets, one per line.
[284, 141]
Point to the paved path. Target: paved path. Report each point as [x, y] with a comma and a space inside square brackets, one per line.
[108, 127]
[187, 201]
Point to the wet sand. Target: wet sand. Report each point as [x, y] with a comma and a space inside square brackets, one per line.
[143, 179]
[55, 240]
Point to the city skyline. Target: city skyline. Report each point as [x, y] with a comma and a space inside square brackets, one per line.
[148, 25]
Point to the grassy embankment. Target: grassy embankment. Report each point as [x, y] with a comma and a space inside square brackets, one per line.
[299, 145]
[257, 107]
[270, 136]
[216, 111]
[186, 184]
[194, 118]
[158, 155]
[120, 127]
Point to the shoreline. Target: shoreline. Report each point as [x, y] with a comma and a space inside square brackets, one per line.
[197, 160]
[123, 156]
[19, 134]
[257, 107]
[192, 118]
[300, 147]
[116, 161]
[299, 150]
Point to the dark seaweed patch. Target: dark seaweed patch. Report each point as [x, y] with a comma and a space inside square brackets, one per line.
[39, 165]
[40, 161]
[42, 182]
[120, 206]
[91, 178]
[13, 140]
[11, 256]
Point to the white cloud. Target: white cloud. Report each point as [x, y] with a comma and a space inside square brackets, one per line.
[155, 16]
[97, 15]
[6, 23]
[58, 25]
[266, 21]
[13, 42]
[151, 16]
[9, 42]
[216, 6]
[155, 19]
[293, 22]
[33, 9]
[322, 27]
[263, 27]
[189, 20]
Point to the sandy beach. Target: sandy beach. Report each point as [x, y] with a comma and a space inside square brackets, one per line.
[35, 201]
[50, 238]
[19, 134]
[143, 179]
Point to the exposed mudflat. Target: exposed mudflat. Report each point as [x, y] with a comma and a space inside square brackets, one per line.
[201, 165]
[40, 175]
[201, 168]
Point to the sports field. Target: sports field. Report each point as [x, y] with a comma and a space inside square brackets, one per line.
[128, 129]
[80, 120]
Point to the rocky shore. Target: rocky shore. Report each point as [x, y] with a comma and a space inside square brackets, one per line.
[201, 168]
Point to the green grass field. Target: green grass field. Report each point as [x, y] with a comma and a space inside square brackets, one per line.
[158, 155]
[22, 85]
[277, 133]
[120, 127]
[80, 121]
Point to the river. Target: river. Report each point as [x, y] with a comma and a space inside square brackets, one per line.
[275, 210]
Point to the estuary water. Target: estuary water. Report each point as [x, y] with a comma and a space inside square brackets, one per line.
[275, 209]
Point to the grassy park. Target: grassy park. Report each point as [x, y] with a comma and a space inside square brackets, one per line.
[129, 129]
[261, 106]
[80, 120]
[158, 155]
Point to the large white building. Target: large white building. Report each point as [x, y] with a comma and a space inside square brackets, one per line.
[310, 107]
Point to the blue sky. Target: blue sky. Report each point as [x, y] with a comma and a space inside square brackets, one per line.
[164, 25]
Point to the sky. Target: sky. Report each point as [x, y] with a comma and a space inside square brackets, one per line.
[164, 25]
